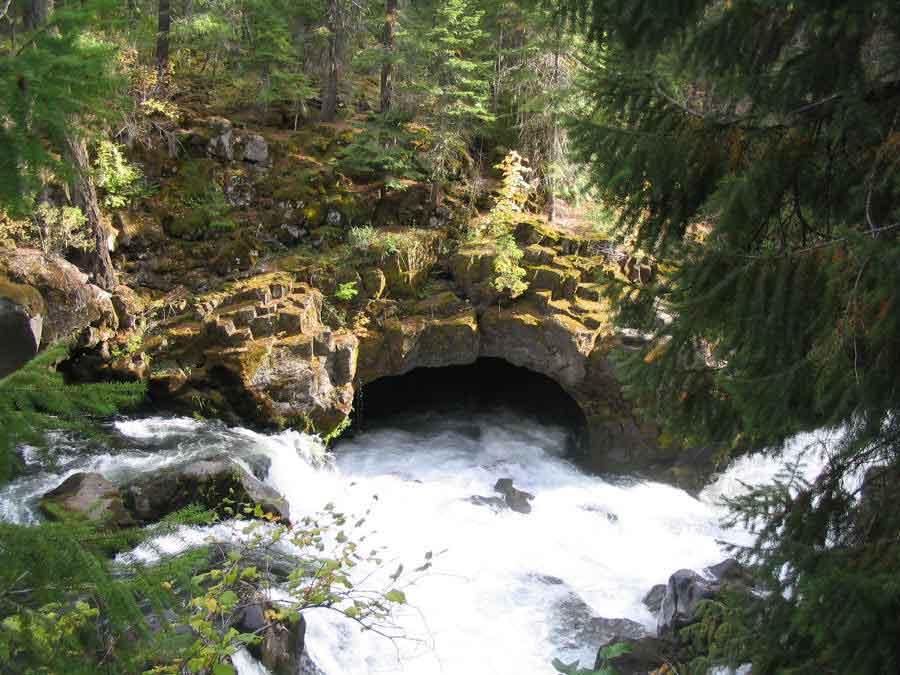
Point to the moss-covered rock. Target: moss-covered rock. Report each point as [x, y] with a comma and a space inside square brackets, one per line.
[44, 300]
[218, 484]
[88, 495]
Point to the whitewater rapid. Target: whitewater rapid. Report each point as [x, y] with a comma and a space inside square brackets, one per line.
[499, 598]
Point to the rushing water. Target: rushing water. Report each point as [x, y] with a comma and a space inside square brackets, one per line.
[508, 592]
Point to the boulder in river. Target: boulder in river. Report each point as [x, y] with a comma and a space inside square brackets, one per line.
[686, 589]
[654, 598]
[89, 495]
[575, 627]
[645, 655]
[281, 647]
[517, 500]
[219, 484]
[495, 503]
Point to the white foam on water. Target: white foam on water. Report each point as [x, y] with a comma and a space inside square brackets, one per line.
[491, 602]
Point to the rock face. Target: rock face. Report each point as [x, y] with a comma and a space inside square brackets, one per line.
[269, 350]
[21, 324]
[654, 598]
[257, 351]
[255, 150]
[208, 482]
[89, 495]
[221, 143]
[44, 299]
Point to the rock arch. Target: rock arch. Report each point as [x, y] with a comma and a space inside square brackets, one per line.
[488, 385]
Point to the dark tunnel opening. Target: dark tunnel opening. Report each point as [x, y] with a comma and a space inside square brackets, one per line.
[486, 386]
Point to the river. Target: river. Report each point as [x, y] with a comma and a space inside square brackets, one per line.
[507, 592]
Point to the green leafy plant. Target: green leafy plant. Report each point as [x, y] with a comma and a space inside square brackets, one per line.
[120, 180]
[333, 316]
[326, 549]
[513, 193]
[346, 291]
[362, 238]
[336, 433]
[53, 229]
[508, 274]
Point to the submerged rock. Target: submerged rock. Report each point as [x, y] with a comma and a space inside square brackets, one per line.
[575, 627]
[495, 503]
[89, 495]
[207, 482]
[517, 500]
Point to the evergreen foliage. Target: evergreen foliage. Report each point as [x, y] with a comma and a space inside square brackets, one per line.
[35, 399]
[58, 76]
[66, 608]
[751, 148]
[386, 149]
[444, 48]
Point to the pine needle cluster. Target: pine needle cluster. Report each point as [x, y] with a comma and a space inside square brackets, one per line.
[36, 399]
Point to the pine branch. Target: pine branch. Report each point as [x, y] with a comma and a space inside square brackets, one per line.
[814, 247]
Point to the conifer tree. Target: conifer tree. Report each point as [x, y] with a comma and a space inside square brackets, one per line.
[751, 147]
[444, 45]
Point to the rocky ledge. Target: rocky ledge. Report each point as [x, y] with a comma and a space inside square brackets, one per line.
[282, 347]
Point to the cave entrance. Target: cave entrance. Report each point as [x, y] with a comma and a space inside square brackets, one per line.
[483, 387]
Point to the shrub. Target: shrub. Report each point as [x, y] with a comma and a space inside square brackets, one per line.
[384, 150]
[362, 238]
[508, 274]
[120, 181]
[53, 229]
[346, 291]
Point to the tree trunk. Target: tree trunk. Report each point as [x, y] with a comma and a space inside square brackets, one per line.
[84, 195]
[332, 65]
[551, 183]
[36, 13]
[162, 39]
[387, 66]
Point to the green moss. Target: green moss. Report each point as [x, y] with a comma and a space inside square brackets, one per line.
[23, 295]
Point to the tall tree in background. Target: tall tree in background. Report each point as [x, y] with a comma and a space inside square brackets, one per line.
[336, 20]
[753, 148]
[387, 66]
[164, 25]
[444, 47]
[49, 87]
